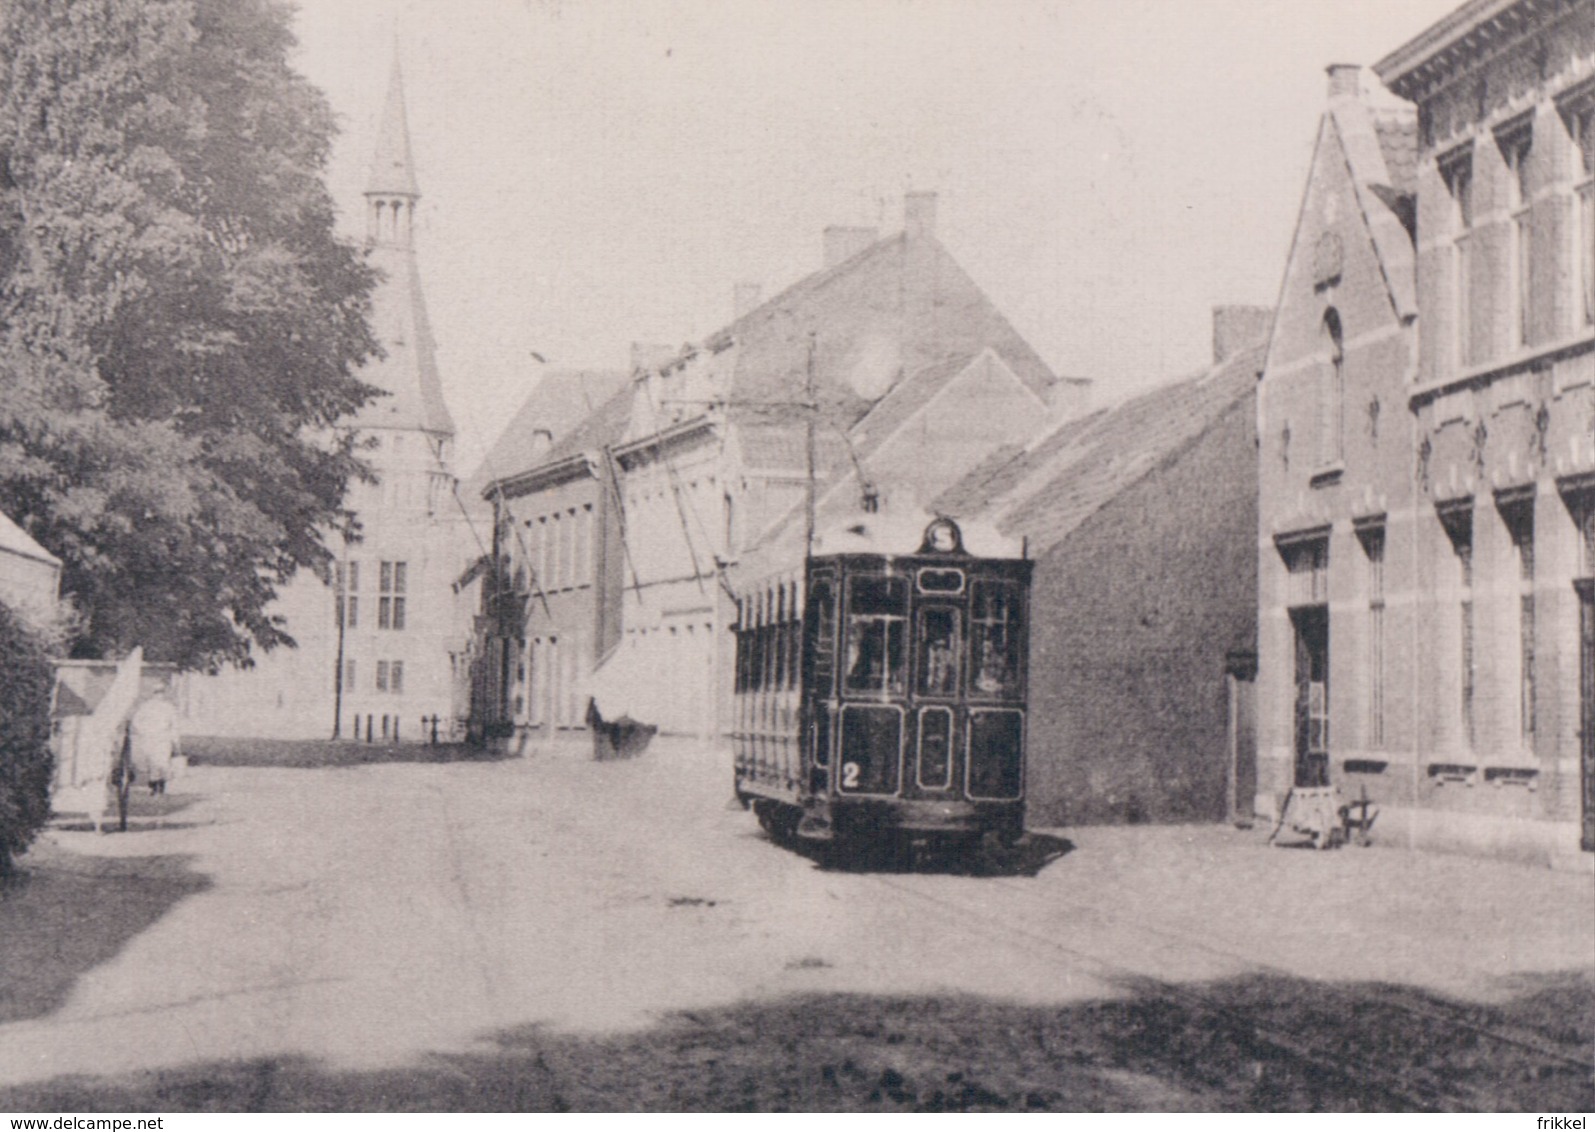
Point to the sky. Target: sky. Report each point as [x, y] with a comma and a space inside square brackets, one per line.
[601, 172]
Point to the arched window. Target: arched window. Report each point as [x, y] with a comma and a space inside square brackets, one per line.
[1331, 392]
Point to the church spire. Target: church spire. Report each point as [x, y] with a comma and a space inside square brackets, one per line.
[408, 370]
[391, 191]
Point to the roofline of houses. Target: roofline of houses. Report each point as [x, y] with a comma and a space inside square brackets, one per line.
[704, 422]
[543, 475]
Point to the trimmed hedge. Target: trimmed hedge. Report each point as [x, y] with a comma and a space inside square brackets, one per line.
[26, 762]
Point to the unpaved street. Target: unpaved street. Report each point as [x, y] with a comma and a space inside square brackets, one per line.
[553, 932]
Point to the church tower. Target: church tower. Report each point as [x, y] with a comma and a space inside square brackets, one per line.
[379, 650]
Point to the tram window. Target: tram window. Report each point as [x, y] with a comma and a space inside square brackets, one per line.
[820, 617]
[932, 581]
[876, 617]
[995, 632]
[940, 647]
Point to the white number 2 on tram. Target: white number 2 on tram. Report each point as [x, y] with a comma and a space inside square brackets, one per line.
[850, 776]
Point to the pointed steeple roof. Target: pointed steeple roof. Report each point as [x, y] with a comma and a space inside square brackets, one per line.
[408, 372]
[392, 170]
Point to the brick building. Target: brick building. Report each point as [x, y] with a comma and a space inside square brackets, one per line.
[1337, 578]
[1426, 558]
[551, 609]
[1140, 520]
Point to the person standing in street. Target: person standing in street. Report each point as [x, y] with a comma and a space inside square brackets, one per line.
[153, 730]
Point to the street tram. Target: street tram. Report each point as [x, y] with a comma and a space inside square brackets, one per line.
[880, 694]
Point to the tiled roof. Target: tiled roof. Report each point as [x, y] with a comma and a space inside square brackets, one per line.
[1397, 131]
[562, 401]
[861, 316]
[1046, 490]
[602, 427]
[906, 398]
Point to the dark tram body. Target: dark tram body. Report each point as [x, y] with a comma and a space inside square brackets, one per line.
[881, 695]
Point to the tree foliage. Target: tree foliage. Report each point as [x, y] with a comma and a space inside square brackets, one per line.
[26, 764]
[179, 325]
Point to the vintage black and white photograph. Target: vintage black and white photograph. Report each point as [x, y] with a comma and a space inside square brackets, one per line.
[797, 555]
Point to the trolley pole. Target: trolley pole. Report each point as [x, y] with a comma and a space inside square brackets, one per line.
[812, 410]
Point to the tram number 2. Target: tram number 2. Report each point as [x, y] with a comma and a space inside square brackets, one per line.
[850, 773]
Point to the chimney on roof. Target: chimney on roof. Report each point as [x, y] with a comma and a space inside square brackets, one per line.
[843, 243]
[1236, 328]
[650, 355]
[919, 214]
[1345, 80]
[744, 297]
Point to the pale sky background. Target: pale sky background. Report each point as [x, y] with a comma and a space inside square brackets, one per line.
[598, 172]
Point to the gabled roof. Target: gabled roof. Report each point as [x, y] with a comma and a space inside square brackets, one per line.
[15, 540]
[560, 402]
[903, 302]
[1046, 490]
[1380, 148]
[600, 429]
[905, 399]
[898, 307]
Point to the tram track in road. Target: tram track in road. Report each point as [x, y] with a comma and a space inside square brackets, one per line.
[1392, 996]
[1323, 1050]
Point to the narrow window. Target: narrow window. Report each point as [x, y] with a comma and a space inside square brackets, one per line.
[1373, 544]
[382, 676]
[1516, 146]
[995, 635]
[390, 600]
[1332, 392]
[1458, 521]
[1580, 119]
[396, 676]
[346, 580]
[1520, 524]
[348, 675]
[1458, 174]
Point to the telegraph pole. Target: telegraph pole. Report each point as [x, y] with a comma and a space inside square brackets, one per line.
[339, 607]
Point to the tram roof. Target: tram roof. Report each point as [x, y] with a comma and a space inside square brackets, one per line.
[902, 533]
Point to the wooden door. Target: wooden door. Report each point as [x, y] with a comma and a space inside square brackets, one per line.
[1312, 695]
[1586, 698]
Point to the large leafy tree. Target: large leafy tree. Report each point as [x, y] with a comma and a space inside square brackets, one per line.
[180, 327]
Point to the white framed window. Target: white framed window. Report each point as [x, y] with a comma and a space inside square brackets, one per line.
[1580, 119]
[1457, 171]
[1519, 518]
[1457, 519]
[392, 583]
[1516, 144]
